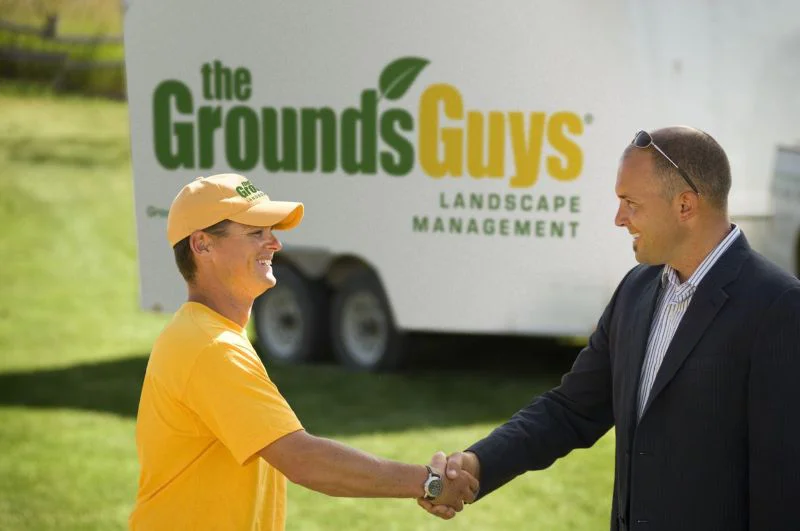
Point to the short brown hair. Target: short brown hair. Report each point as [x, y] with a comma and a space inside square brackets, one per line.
[184, 257]
[699, 155]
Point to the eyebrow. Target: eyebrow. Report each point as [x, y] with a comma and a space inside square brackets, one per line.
[241, 231]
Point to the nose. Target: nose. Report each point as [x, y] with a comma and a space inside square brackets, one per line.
[273, 243]
[621, 218]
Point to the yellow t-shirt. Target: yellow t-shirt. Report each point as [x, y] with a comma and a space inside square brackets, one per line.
[207, 408]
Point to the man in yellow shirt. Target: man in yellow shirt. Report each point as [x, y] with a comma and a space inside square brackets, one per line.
[215, 438]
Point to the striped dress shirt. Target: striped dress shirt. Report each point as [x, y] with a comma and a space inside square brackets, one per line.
[672, 303]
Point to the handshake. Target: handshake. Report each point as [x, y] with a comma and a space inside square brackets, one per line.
[460, 472]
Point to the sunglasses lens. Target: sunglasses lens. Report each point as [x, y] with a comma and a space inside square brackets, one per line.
[642, 139]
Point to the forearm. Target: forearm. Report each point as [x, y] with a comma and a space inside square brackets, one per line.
[506, 453]
[534, 438]
[339, 470]
[335, 469]
[573, 415]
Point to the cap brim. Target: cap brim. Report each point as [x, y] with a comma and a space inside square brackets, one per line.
[280, 215]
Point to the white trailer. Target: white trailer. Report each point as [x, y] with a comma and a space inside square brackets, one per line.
[784, 244]
[457, 159]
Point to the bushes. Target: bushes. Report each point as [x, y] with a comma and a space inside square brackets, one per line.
[67, 63]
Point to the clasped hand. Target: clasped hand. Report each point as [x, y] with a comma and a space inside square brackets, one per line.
[460, 487]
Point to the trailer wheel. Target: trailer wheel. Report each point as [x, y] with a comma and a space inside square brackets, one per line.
[363, 333]
[291, 318]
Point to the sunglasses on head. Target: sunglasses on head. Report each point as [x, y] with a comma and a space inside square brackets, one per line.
[644, 140]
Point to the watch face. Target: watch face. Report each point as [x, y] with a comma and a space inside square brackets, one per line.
[435, 487]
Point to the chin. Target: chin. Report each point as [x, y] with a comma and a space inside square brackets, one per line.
[264, 284]
[647, 260]
[640, 257]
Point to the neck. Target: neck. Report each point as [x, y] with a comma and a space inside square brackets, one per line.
[223, 302]
[692, 253]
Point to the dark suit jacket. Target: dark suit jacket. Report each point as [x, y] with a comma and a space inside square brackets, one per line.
[718, 445]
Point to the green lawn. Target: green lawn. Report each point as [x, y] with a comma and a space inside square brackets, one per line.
[84, 20]
[75, 17]
[74, 347]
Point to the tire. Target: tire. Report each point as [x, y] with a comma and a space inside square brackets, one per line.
[363, 333]
[291, 319]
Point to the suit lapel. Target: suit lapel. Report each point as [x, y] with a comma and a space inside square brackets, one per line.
[636, 346]
[706, 303]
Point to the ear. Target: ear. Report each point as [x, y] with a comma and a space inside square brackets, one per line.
[200, 243]
[688, 204]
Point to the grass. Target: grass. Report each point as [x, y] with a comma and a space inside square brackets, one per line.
[74, 348]
[86, 19]
[75, 17]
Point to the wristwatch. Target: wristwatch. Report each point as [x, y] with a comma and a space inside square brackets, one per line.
[433, 485]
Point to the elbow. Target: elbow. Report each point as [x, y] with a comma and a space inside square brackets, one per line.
[293, 456]
[299, 475]
[303, 472]
[305, 478]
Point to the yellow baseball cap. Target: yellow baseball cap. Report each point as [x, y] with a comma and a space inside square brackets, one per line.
[209, 200]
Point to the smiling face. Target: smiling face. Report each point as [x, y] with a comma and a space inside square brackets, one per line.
[241, 259]
[652, 219]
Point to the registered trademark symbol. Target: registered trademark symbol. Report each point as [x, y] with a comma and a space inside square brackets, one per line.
[588, 118]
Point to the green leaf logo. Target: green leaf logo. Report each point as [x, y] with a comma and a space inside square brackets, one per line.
[398, 76]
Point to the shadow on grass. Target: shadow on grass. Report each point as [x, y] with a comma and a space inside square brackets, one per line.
[459, 386]
[68, 150]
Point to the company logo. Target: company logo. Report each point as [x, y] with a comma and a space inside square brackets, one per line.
[248, 191]
[443, 136]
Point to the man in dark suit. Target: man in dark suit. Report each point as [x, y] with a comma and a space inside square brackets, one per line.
[695, 363]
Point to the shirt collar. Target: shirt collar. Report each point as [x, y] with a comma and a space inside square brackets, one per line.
[670, 276]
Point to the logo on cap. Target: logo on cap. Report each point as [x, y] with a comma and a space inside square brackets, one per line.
[248, 191]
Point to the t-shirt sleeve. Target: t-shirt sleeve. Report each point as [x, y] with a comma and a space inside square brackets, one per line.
[230, 391]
